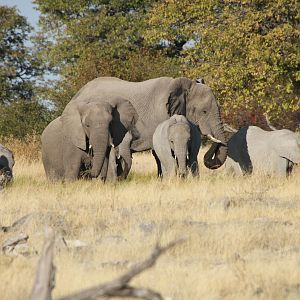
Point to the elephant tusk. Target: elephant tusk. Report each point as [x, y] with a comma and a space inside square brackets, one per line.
[90, 146]
[112, 145]
[187, 156]
[214, 139]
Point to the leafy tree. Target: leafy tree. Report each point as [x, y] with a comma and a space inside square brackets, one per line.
[20, 111]
[21, 119]
[248, 51]
[86, 39]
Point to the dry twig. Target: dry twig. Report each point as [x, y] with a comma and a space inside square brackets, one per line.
[44, 281]
[9, 245]
[119, 287]
[17, 223]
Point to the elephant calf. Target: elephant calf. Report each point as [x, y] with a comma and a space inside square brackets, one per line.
[6, 166]
[176, 143]
[254, 150]
[119, 159]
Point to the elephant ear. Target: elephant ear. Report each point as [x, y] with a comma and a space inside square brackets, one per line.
[72, 126]
[178, 90]
[124, 119]
[127, 114]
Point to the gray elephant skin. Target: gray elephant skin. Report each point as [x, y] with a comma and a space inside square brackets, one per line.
[254, 150]
[84, 135]
[6, 166]
[176, 143]
[155, 100]
[119, 160]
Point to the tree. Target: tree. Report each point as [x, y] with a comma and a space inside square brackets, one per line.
[248, 51]
[21, 113]
[85, 39]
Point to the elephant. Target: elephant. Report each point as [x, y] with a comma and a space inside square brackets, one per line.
[176, 143]
[7, 163]
[80, 140]
[118, 161]
[253, 150]
[155, 100]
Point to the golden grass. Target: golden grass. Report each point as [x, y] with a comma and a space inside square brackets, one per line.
[242, 234]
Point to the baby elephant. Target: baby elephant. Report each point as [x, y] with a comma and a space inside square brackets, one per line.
[6, 165]
[119, 159]
[176, 143]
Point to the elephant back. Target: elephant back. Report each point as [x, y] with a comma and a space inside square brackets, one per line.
[142, 95]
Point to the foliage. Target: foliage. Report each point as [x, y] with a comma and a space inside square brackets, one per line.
[84, 39]
[22, 118]
[20, 111]
[18, 64]
[27, 149]
[248, 51]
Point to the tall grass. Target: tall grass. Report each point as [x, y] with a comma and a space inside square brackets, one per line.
[27, 149]
[242, 234]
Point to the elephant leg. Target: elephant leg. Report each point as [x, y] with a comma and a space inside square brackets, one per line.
[289, 167]
[192, 164]
[158, 163]
[194, 167]
[168, 167]
[72, 162]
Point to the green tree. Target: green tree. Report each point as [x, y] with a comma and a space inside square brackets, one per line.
[82, 40]
[248, 51]
[21, 113]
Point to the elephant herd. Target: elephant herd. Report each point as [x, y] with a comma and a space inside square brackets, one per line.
[109, 119]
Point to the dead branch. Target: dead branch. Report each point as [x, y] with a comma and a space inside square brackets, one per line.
[9, 245]
[17, 223]
[45, 275]
[119, 287]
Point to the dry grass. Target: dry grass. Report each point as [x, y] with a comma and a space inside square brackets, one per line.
[243, 234]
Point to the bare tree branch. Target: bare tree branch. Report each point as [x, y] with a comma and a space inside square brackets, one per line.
[17, 223]
[44, 281]
[119, 287]
[9, 245]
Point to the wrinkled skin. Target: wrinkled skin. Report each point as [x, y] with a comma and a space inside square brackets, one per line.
[176, 144]
[253, 150]
[6, 166]
[119, 159]
[155, 100]
[77, 143]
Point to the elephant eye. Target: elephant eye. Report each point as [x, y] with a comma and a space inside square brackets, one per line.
[204, 112]
[87, 125]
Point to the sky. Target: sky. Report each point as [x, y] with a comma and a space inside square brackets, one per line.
[26, 9]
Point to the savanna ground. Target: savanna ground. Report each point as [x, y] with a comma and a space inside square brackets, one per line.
[242, 234]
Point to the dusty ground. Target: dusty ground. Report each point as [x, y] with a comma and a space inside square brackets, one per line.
[242, 234]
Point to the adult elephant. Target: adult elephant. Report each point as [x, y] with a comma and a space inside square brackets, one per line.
[254, 150]
[83, 136]
[155, 100]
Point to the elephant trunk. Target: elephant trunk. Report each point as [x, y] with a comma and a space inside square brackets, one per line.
[217, 153]
[181, 157]
[99, 142]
